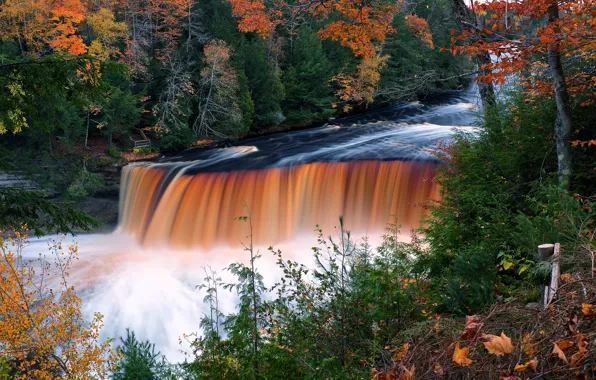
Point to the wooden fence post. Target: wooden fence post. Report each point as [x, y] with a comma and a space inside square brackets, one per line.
[556, 273]
[545, 251]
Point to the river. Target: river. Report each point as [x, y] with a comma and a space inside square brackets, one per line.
[178, 213]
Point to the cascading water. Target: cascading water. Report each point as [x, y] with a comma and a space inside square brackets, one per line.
[177, 212]
[197, 211]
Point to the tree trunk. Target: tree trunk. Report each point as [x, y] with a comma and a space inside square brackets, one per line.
[87, 131]
[563, 122]
[462, 15]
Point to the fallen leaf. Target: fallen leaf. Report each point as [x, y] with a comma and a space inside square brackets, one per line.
[460, 355]
[498, 345]
[528, 347]
[473, 324]
[532, 364]
[401, 352]
[557, 351]
[438, 369]
[564, 344]
[408, 374]
[588, 309]
[565, 277]
[579, 355]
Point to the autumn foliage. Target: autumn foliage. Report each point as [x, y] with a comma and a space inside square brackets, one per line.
[520, 50]
[42, 331]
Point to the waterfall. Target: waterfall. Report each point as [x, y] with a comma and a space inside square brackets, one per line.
[168, 206]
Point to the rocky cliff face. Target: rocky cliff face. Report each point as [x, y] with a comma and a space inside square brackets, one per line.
[103, 206]
[17, 180]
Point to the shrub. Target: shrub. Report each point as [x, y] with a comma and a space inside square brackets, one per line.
[138, 360]
[85, 184]
[113, 152]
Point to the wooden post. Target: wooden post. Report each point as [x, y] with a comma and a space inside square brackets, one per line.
[556, 273]
[545, 251]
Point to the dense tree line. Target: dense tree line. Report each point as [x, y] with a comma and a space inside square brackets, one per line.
[184, 70]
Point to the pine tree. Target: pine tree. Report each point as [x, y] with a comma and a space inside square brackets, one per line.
[264, 81]
[308, 94]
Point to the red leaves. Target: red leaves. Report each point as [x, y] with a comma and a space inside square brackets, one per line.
[473, 326]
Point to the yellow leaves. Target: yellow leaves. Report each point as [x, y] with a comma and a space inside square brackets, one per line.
[565, 277]
[532, 364]
[107, 33]
[498, 345]
[460, 355]
[362, 86]
[28, 304]
[588, 309]
[528, 347]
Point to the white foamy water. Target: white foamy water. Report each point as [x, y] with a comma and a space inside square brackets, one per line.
[153, 292]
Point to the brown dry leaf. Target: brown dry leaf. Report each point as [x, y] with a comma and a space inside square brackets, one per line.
[438, 369]
[460, 355]
[579, 355]
[473, 324]
[408, 374]
[401, 352]
[528, 347]
[565, 277]
[532, 364]
[588, 309]
[564, 344]
[557, 351]
[498, 345]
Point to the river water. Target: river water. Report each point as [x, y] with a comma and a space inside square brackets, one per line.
[178, 213]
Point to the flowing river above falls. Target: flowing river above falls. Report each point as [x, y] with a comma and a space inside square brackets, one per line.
[177, 213]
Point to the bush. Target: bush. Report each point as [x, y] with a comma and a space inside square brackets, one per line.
[113, 152]
[85, 184]
[139, 360]
[176, 140]
[488, 179]
[142, 151]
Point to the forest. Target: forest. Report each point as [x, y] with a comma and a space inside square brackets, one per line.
[89, 86]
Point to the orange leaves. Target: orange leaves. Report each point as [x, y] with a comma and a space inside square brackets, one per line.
[356, 25]
[66, 15]
[253, 17]
[407, 374]
[588, 309]
[460, 355]
[516, 48]
[498, 345]
[360, 27]
[557, 351]
[419, 28]
[583, 143]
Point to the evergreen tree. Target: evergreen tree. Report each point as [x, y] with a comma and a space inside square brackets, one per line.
[308, 94]
[264, 81]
